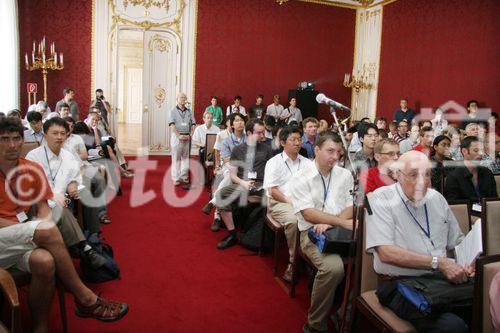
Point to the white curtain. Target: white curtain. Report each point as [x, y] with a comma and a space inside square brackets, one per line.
[9, 56]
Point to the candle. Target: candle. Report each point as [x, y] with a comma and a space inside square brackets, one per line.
[34, 46]
[26, 58]
[62, 59]
[33, 57]
[43, 57]
[55, 59]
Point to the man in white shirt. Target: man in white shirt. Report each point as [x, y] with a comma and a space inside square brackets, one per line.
[200, 133]
[236, 107]
[63, 174]
[321, 199]
[277, 181]
[293, 113]
[276, 110]
[34, 133]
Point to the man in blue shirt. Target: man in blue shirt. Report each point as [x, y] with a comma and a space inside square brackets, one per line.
[404, 113]
[310, 126]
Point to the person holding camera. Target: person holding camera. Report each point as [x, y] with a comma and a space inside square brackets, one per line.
[101, 103]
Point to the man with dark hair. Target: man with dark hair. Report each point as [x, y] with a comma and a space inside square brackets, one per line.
[321, 199]
[35, 245]
[310, 127]
[100, 103]
[404, 112]
[471, 181]
[34, 133]
[64, 110]
[368, 135]
[386, 153]
[276, 110]
[402, 133]
[246, 167]
[236, 107]
[258, 110]
[473, 115]
[426, 139]
[215, 110]
[69, 95]
[277, 181]
[381, 123]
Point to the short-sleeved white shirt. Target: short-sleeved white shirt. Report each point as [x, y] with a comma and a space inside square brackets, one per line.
[392, 224]
[275, 110]
[200, 133]
[280, 169]
[308, 190]
[223, 135]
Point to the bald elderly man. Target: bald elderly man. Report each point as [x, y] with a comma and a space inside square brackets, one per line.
[410, 232]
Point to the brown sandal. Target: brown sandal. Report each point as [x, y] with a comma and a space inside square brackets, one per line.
[102, 310]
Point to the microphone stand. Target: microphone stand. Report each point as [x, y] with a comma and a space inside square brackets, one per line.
[354, 194]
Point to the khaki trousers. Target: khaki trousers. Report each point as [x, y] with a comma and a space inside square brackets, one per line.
[68, 226]
[283, 214]
[330, 274]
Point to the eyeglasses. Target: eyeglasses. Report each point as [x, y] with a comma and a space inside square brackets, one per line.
[391, 154]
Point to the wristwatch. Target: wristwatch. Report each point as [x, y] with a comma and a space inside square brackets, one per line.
[434, 263]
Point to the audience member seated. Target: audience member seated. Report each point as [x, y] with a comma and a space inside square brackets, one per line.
[321, 199]
[294, 113]
[412, 141]
[491, 156]
[402, 133]
[276, 110]
[438, 123]
[355, 144]
[310, 127]
[215, 110]
[473, 115]
[246, 167]
[455, 152]
[258, 110]
[277, 182]
[200, 135]
[426, 139]
[472, 129]
[236, 107]
[64, 110]
[404, 112]
[323, 126]
[36, 245]
[34, 133]
[471, 181]
[368, 135]
[16, 114]
[269, 123]
[440, 158]
[386, 152]
[381, 123]
[393, 129]
[410, 231]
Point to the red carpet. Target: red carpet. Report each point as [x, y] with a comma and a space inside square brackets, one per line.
[175, 280]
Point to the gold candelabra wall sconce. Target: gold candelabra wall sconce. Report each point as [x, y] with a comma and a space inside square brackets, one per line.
[362, 79]
[40, 61]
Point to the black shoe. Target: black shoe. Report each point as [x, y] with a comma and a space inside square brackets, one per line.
[95, 259]
[75, 252]
[207, 209]
[227, 242]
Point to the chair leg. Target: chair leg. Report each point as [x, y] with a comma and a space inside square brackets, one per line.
[261, 248]
[277, 236]
[62, 307]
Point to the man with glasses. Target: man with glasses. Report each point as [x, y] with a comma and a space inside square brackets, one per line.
[386, 153]
[410, 231]
[402, 133]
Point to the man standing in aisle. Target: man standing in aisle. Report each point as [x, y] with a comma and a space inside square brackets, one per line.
[69, 95]
[181, 124]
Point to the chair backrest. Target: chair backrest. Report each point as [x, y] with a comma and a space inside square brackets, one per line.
[209, 144]
[490, 219]
[27, 147]
[366, 276]
[486, 269]
[497, 180]
[462, 214]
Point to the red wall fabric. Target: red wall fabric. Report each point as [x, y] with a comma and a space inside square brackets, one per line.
[250, 47]
[69, 24]
[434, 51]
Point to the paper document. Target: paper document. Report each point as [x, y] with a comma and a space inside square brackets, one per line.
[471, 247]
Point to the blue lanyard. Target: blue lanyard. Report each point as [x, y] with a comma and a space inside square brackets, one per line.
[325, 188]
[53, 178]
[298, 167]
[428, 232]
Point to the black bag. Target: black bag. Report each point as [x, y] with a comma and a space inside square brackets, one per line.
[418, 297]
[335, 240]
[252, 229]
[108, 271]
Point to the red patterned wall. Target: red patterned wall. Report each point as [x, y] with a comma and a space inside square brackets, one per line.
[69, 24]
[435, 50]
[257, 46]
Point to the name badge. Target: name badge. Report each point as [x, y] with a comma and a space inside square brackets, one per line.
[22, 217]
[252, 175]
[184, 124]
[477, 208]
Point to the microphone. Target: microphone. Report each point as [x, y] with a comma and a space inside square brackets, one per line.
[322, 99]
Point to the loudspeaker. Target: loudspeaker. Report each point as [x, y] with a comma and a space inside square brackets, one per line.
[306, 101]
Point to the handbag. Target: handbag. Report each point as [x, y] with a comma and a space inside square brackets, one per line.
[335, 240]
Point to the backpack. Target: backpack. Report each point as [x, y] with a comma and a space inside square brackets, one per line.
[108, 271]
[252, 229]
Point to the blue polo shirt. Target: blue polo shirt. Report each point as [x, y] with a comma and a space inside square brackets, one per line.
[309, 146]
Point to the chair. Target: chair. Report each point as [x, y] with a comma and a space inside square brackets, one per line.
[462, 212]
[486, 268]
[490, 219]
[23, 279]
[27, 147]
[209, 150]
[297, 257]
[279, 233]
[9, 292]
[366, 301]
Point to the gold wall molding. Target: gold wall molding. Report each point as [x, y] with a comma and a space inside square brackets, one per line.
[341, 4]
[146, 25]
[159, 43]
[160, 95]
[148, 3]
